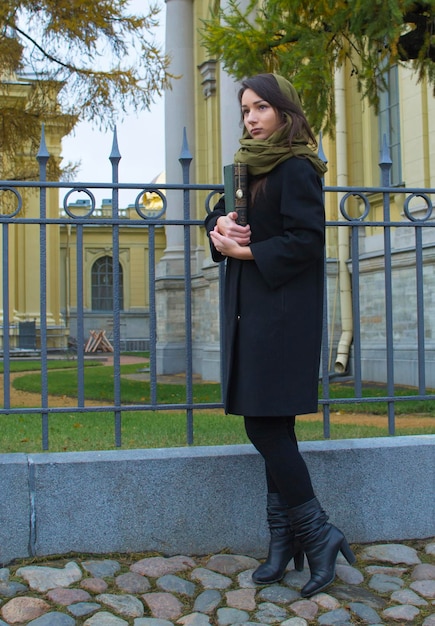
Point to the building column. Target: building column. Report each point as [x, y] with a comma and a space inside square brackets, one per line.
[230, 127]
[179, 114]
[230, 122]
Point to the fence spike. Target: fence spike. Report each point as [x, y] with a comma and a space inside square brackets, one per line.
[185, 155]
[385, 163]
[385, 152]
[320, 152]
[43, 154]
[115, 154]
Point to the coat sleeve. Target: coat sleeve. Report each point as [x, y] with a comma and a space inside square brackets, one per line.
[301, 243]
[210, 223]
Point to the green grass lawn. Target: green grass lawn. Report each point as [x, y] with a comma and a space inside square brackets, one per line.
[99, 384]
[149, 429]
[373, 390]
[31, 365]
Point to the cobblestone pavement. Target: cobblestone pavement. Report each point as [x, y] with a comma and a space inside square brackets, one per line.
[390, 583]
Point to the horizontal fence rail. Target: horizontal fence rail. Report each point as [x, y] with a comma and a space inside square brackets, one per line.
[402, 274]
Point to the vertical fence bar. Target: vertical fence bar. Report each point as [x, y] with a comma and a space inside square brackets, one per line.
[152, 312]
[80, 318]
[42, 158]
[420, 309]
[419, 279]
[385, 165]
[115, 158]
[185, 160]
[223, 351]
[356, 310]
[6, 319]
[326, 409]
[325, 360]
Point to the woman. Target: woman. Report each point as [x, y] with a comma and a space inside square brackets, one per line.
[273, 309]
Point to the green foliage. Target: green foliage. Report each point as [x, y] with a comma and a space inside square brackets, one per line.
[305, 40]
[83, 59]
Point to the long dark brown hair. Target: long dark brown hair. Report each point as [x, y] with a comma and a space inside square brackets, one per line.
[266, 86]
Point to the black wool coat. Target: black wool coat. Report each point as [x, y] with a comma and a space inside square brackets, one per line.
[273, 304]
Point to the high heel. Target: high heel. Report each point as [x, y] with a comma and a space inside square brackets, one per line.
[298, 560]
[347, 552]
[321, 543]
[283, 546]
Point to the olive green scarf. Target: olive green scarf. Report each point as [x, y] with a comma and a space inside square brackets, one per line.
[262, 155]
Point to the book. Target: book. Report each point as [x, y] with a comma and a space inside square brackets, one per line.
[236, 190]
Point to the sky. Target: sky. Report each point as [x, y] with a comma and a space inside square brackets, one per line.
[141, 141]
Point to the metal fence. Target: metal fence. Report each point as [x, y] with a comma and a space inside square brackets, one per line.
[355, 223]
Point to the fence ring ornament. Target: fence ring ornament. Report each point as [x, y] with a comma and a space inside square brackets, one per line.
[19, 205]
[208, 198]
[408, 213]
[85, 191]
[345, 214]
[158, 193]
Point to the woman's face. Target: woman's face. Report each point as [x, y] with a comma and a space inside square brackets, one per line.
[259, 117]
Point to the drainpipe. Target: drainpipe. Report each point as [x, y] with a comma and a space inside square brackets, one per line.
[343, 349]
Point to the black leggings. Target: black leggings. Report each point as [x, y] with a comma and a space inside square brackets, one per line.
[286, 471]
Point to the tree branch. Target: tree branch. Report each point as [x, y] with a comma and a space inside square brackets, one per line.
[46, 54]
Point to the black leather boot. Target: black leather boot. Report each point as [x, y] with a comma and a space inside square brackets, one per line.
[321, 543]
[282, 548]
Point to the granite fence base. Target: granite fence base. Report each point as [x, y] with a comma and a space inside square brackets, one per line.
[203, 500]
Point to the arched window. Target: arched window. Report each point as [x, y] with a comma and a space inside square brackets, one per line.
[102, 285]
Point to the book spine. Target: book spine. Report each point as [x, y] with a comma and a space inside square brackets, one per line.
[241, 192]
[236, 190]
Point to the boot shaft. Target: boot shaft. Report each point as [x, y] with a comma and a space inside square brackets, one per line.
[277, 515]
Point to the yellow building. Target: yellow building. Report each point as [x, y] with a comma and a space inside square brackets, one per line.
[42, 263]
[22, 260]
[95, 247]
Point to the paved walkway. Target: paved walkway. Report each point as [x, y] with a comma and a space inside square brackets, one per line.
[389, 584]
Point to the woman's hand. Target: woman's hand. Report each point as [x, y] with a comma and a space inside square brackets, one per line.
[228, 227]
[229, 247]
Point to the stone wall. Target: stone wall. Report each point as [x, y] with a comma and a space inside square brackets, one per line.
[201, 500]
